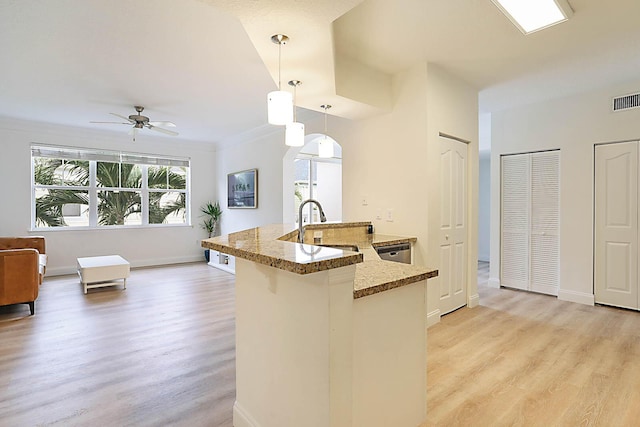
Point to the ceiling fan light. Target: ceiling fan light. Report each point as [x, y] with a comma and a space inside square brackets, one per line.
[325, 147]
[294, 134]
[279, 107]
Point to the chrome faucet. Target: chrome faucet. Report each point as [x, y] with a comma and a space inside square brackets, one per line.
[323, 218]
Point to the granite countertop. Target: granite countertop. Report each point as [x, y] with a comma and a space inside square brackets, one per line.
[373, 276]
[267, 245]
[274, 245]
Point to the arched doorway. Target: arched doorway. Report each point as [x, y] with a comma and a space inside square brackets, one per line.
[308, 175]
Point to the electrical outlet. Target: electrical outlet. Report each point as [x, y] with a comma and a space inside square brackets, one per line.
[389, 215]
[378, 214]
[365, 202]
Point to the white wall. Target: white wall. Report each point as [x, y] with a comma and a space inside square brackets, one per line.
[384, 161]
[572, 124]
[264, 154]
[484, 206]
[140, 246]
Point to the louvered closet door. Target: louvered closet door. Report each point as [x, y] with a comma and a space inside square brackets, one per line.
[544, 243]
[530, 222]
[515, 221]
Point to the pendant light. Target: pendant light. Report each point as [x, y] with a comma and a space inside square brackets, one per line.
[279, 102]
[294, 132]
[325, 145]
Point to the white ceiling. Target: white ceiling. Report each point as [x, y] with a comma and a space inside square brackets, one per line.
[207, 64]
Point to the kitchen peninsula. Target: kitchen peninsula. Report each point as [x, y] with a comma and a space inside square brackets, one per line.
[326, 336]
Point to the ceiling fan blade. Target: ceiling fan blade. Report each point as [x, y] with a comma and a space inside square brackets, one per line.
[123, 117]
[158, 129]
[169, 124]
[113, 123]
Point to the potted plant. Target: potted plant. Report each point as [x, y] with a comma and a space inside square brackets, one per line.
[212, 213]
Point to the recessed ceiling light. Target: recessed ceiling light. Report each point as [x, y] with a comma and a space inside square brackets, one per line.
[534, 15]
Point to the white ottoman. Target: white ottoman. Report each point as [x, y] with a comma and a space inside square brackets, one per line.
[99, 271]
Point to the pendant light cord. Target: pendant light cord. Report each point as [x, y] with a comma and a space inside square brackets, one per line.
[279, 64]
[326, 107]
[295, 107]
[325, 121]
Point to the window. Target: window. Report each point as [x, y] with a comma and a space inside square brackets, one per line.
[321, 179]
[86, 188]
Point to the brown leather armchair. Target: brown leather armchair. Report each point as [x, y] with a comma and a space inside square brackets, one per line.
[22, 267]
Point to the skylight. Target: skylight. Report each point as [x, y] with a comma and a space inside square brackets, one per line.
[534, 15]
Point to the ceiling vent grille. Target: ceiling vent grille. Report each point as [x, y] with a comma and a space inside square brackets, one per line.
[626, 102]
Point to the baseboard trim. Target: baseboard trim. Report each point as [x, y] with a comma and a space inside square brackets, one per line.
[433, 318]
[66, 270]
[494, 283]
[474, 301]
[579, 297]
[241, 418]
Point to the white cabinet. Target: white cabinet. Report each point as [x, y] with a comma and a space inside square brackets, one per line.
[222, 261]
[530, 257]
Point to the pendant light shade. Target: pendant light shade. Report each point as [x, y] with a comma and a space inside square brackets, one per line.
[325, 145]
[279, 102]
[279, 107]
[294, 132]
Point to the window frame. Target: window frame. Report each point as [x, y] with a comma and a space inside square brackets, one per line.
[93, 156]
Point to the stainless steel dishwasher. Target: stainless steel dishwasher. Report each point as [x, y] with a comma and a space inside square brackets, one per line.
[398, 253]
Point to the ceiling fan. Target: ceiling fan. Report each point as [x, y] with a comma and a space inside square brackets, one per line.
[140, 122]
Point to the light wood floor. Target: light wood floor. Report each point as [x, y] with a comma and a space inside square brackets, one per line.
[531, 360]
[162, 353]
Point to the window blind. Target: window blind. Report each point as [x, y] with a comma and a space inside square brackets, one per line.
[70, 153]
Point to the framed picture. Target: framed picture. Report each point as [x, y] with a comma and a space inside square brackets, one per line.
[242, 189]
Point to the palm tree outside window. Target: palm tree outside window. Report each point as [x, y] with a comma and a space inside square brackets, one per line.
[84, 188]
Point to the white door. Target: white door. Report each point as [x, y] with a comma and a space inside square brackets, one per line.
[453, 225]
[530, 238]
[544, 244]
[616, 225]
[515, 221]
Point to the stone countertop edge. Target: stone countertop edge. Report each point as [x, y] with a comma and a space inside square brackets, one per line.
[361, 289]
[325, 225]
[347, 258]
[385, 240]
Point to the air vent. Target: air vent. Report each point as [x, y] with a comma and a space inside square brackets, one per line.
[626, 102]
